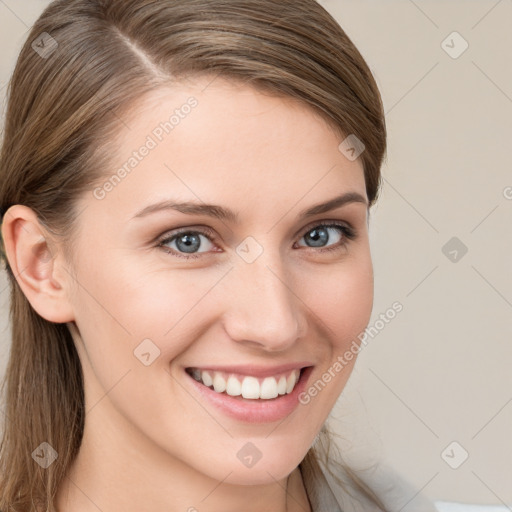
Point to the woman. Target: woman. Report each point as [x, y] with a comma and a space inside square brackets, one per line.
[185, 193]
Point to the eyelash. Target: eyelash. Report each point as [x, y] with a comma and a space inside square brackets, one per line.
[348, 233]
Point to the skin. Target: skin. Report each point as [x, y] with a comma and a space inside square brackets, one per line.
[148, 434]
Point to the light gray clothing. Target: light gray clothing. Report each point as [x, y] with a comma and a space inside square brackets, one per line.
[396, 493]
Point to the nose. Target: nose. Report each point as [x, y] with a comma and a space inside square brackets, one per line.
[262, 308]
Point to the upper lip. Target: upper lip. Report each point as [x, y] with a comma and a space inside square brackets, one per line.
[254, 370]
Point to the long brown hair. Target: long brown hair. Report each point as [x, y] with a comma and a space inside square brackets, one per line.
[83, 63]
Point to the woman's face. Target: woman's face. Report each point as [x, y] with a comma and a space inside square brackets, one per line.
[256, 292]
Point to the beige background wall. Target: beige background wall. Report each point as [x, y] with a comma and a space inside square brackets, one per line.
[440, 371]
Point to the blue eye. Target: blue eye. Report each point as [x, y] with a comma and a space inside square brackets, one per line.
[188, 242]
[320, 235]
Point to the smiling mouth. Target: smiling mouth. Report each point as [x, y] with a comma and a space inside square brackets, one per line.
[247, 386]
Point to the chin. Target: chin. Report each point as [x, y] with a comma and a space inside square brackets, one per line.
[260, 474]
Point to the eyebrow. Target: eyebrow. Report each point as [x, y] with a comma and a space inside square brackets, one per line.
[225, 214]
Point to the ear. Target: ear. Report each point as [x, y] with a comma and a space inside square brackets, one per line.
[36, 264]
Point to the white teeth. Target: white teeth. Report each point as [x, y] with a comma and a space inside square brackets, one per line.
[233, 387]
[250, 387]
[290, 382]
[281, 386]
[219, 384]
[207, 378]
[268, 388]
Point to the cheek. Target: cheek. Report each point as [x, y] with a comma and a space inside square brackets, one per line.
[133, 321]
[341, 297]
[166, 303]
[123, 302]
[342, 305]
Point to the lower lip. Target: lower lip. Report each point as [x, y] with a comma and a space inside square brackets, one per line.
[255, 411]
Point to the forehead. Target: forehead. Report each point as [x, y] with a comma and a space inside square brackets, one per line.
[226, 142]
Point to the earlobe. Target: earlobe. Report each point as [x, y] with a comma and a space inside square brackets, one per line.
[35, 263]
